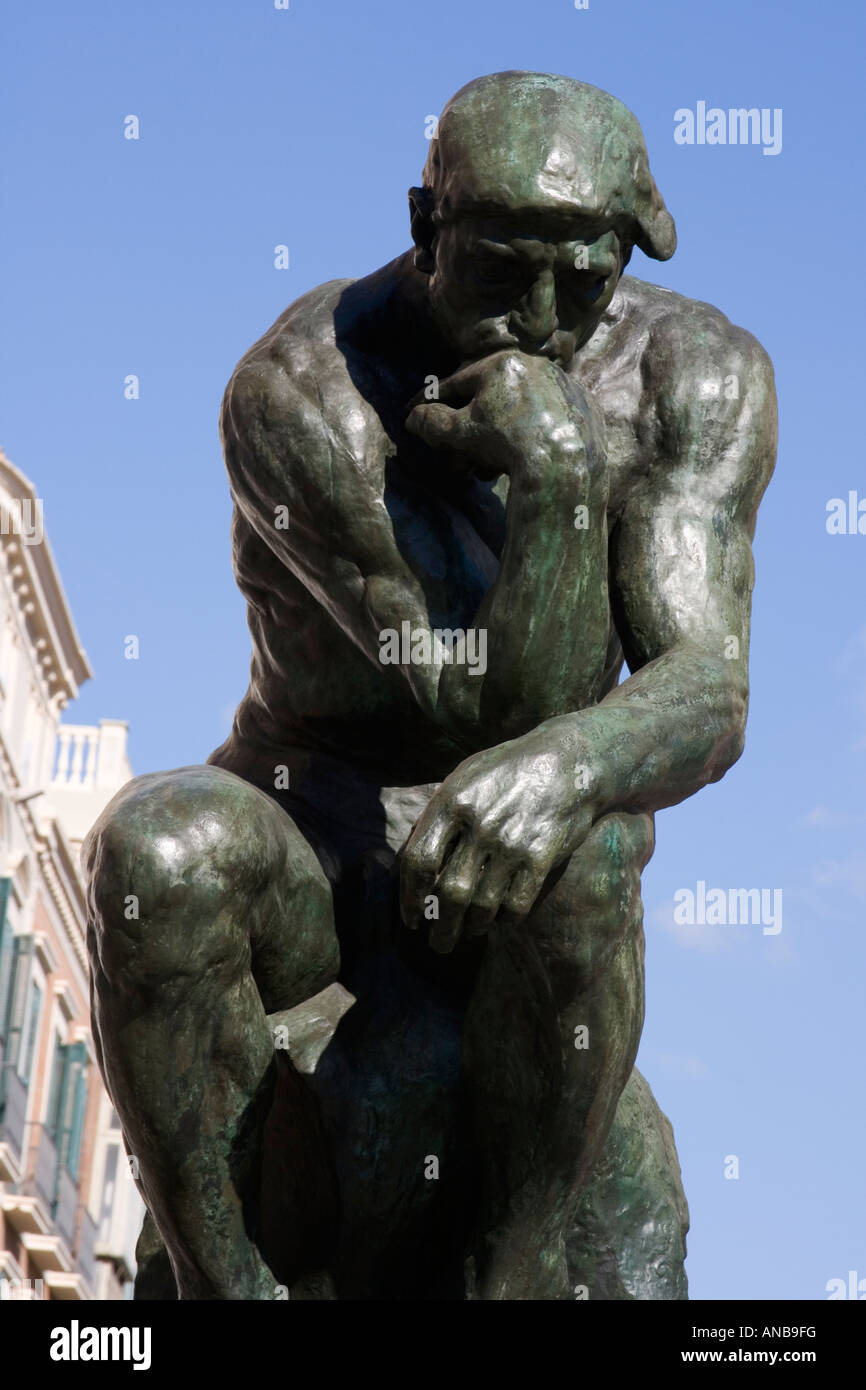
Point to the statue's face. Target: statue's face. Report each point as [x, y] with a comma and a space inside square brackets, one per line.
[534, 283]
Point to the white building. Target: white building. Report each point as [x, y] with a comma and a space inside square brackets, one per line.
[69, 1211]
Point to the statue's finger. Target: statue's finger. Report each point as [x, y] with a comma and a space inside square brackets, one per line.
[493, 884]
[463, 385]
[523, 891]
[422, 862]
[453, 893]
[441, 426]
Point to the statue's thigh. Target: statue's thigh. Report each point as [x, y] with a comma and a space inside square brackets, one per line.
[577, 957]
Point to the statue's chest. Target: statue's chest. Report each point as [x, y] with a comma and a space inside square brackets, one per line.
[443, 549]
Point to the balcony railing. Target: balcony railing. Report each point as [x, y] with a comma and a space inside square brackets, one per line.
[13, 1107]
[61, 1198]
[55, 1187]
[66, 1207]
[45, 1175]
[77, 753]
[86, 1247]
[91, 755]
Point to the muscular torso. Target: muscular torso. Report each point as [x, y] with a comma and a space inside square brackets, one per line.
[311, 686]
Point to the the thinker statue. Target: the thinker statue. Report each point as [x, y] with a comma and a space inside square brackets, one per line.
[368, 986]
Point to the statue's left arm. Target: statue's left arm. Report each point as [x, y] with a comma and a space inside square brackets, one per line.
[681, 581]
[682, 575]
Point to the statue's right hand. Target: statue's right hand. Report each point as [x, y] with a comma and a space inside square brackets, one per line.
[508, 413]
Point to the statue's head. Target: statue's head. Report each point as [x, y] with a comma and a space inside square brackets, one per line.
[535, 191]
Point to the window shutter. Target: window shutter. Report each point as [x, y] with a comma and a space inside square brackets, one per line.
[72, 1106]
[29, 1049]
[18, 989]
[55, 1095]
[6, 950]
[74, 1156]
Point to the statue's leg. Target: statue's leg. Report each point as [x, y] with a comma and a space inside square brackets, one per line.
[628, 1237]
[550, 1040]
[207, 910]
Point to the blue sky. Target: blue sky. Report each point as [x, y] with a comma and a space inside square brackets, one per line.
[306, 127]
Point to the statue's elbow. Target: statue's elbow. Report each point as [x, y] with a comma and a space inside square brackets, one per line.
[736, 746]
[732, 742]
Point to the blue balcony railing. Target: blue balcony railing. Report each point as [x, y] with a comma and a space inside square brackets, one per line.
[13, 1108]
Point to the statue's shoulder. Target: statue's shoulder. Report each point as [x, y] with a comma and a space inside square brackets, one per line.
[297, 354]
[707, 387]
[687, 340]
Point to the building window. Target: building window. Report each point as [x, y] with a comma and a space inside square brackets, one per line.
[108, 1192]
[14, 1004]
[52, 1117]
[31, 1033]
[66, 1103]
[6, 953]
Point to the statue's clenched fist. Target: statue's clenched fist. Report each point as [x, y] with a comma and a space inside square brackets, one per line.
[510, 413]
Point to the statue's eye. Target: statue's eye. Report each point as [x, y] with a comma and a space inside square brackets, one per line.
[587, 287]
[594, 289]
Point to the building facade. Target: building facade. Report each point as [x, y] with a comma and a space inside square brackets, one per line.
[69, 1210]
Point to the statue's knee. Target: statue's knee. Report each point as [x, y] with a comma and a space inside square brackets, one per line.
[296, 953]
[595, 905]
[196, 873]
[165, 872]
[606, 870]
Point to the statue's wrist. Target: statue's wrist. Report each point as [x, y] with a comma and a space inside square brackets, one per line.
[551, 468]
[584, 764]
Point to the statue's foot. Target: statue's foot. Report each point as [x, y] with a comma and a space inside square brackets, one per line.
[539, 1277]
[628, 1238]
[155, 1278]
[253, 1281]
[525, 1262]
[317, 1287]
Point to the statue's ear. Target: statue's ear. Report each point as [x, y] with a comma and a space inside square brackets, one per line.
[421, 205]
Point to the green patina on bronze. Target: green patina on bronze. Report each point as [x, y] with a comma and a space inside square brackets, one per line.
[371, 1027]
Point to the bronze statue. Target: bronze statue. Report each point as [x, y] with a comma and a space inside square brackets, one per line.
[368, 986]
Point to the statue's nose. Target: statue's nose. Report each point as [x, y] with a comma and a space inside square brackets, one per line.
[536, 319]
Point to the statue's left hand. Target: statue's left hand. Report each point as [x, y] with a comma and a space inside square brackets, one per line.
[489, 837]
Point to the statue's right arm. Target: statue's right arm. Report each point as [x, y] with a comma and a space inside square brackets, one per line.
[313, 493]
